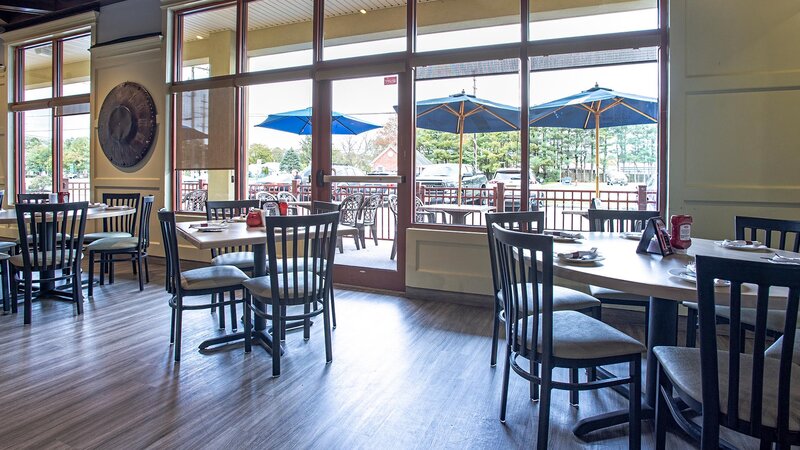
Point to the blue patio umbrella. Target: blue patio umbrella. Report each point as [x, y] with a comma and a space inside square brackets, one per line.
[596, 108]
[462, 113]
[299, 122]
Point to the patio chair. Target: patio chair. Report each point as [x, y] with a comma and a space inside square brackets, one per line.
[288, 197]
[392, 203]
[349, 210]
[194, 200]
[367, 217]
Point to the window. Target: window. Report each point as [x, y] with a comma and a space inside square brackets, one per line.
[51, 116]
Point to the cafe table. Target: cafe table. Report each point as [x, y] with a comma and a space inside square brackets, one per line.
[647, 274]
[236, 234]
[457, 213]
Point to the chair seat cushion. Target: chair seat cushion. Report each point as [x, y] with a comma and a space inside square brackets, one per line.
[91, 237]
[564, 299]
[682, 365]
[212, 277]
[114, 244]
[242, 260]
[288, 290]
[774, 351]
[4, 256]
[6, 246]
[612, 294]
[578, 336]
[18, 261]
[346, 230]
[776, 319]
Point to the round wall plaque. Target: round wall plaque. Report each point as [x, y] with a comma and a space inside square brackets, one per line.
[127, 124]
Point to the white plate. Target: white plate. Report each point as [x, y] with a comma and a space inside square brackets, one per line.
[746, 248]
[97, 205]
[118, 207]
[633, 235]
[211, 229]
[686, 275]
[563, 238]
[581, 262]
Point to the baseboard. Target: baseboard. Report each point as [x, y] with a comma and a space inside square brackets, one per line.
[484, 301]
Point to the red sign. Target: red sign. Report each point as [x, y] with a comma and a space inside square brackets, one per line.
[388, 81]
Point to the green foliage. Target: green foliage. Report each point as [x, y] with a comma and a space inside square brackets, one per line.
[260, 151]
[38, 157]
[291, 161]
[75, 158]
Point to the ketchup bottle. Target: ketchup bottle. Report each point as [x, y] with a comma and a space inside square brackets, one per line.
[681, 238]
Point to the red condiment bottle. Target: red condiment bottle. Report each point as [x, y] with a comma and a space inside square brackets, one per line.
[681, 238]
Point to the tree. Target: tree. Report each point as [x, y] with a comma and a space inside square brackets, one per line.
[38, 157]
[290, 161]
[75, 157]
[259, 151]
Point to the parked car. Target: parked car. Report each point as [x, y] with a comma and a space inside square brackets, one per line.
[446, 176]
[512, 180]
[566, 180]
[616, 178]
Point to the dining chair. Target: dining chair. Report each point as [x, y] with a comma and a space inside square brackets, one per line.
[305, 246]
[368, 217]
[421, 216]
[564, 299]
[51, 242]
[774, 233]
[131, 248]
[568, 339]
[349, 210]
[746, 392]
[120, 226]
[5, 278]
[319, 207]
[36, 197]
[193, 283]
[619, 221]
[240, 256]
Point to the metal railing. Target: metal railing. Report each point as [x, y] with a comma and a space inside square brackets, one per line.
[79, 191]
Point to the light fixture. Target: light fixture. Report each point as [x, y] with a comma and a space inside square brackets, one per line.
[199, 37]
[362, 11]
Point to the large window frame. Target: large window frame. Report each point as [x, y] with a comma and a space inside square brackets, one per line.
[321, 71]
[59, 105]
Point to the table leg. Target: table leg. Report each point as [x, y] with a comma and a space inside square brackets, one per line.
[662, 331]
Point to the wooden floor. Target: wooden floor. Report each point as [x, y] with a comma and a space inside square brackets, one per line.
[405, 374]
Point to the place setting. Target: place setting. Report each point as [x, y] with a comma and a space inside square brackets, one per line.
[565, 237]
[581, 257]
[689, 275]
[209, 227]
[743, 245]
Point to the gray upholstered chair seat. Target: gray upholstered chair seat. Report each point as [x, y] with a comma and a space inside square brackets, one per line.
[17, 260]
[6, 246]
[91, 237]
[613, 294]
[564, 299]
[683, 367]
[261, 287]
[4, 256]
[212, 277]
[774, 350]
[242, 260]
[578, 336]
[114, 244]
[776, 319]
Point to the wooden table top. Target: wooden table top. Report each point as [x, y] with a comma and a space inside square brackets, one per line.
[646, 274]
[9, 216]
[237, 233]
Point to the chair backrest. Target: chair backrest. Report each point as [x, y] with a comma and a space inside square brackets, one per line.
[169, 234]
[307, 246]
[517, 284]
[757, 228]
[228, 209]
[369, 209]
[124, 224]
[419, 215]
[391, 201]
[530, 221]
[263, 196]
[33, 198]
[736, 363]
[195, 200]
[144, 222]
[51, 235]
[286, 196]
[619, 220]
[349, 208]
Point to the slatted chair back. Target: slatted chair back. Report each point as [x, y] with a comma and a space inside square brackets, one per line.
[122, 224]
[51, 235]
[511, 250]
[33, 198]
[530, 221]
[619, 220]
[761, 229]
[369, 209]
[300, 251]
[349, 209]
[227, 209]
[737, 367]
[169, 234]
[144, 222]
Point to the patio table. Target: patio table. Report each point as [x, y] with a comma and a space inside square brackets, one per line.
[458, 214]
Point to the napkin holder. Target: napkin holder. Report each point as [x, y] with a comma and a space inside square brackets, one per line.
[655, 238]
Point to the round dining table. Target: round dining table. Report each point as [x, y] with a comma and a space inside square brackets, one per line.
[622, 268]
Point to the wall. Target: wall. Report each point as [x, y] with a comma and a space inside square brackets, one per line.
[734, 104]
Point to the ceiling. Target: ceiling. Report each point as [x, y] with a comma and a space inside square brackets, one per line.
[22, 13]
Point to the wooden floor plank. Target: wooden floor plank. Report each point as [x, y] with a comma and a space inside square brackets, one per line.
[405, 374]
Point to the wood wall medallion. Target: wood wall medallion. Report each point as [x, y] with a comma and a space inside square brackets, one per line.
[127, 124]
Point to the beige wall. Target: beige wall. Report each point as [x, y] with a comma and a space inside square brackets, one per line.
[734, 106]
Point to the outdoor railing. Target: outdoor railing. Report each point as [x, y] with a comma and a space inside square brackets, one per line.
[79, 191]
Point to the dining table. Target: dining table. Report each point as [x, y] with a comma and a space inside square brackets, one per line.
[235, 234]
[620, 267]
[458, 213]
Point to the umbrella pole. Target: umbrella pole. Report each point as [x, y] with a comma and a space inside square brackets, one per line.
[460, 154]
[597, 155]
